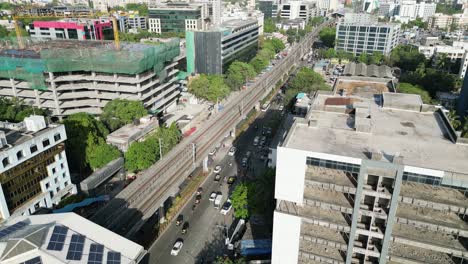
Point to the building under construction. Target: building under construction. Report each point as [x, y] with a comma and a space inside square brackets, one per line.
[69, 76]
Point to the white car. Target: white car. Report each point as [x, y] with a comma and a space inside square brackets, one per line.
[212, 196]
[232, 151]
[177, 247]
[217, 169]
[226, 207]
[212, 152]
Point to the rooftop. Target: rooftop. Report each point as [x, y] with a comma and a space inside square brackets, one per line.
[393, 127]
[235, 23]
[50, 239]
[361, 69]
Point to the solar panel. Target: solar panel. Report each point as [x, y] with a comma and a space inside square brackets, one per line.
[113, 257]
[75, 250]
[58, 237]
[95, 254]
[36, 260]
[10, 229]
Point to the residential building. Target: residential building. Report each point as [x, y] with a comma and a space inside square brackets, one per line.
[63, 238]
[443, 21]
[34, 169]
[297, 9]
[67, 77]
[213, 50]
[296, 24]
[177, 17]
[389, 8]
[328, 5]
[104, 5]
[216, 12]
[409, 10]
[269, 8]
[81, 29]
[363, 37]
[237, 13]
[357, 182]
[458, 51]
[123, 137]
[136, 22]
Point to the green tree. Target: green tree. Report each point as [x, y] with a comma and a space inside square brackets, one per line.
[16, 110]
[239, 199]
[415, 89]
[327, 36]
[141, 8]
[100, 155]
[209, 87]
[363, 58]
[315, 21]
[406, 57]
[274, 44]
[269, 26]
[84, 132]
[120, 112]
[225, 260]
[141, 155]
[330, 53]
[239, 73]
[3, 32]
[415, 23]
[448, 8]
[376, 58]
[454, 119]
[259, 64]
[306, 81]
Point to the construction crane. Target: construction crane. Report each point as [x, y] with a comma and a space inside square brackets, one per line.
[19, 37]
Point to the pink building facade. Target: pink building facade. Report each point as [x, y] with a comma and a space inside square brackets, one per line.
[82, 29]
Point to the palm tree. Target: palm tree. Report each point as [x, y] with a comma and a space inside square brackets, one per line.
[454, 119]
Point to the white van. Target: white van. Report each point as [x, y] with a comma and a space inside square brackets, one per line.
[218, 201]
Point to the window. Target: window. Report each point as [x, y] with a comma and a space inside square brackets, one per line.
[53, 170]
[55, 180]
[45, 142]
[64, 175]
[62, 166]
[58, 189]
[47, 185]
[57, 137]
[33, 148]
[5, 162]
[66, 183]
[19, 155]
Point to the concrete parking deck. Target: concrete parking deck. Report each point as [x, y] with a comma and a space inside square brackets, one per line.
[326, 196]
[322, 232]
[419, 254]
[326, 175]
[322, 214]
[321, 250]
[431, 216]
[435, 194]
[427, 236]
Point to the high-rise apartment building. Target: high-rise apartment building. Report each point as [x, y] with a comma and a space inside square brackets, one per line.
[34, 168]
[366, 37]
[67, 77]
[371, 178]
[297, 9]
[177, 17]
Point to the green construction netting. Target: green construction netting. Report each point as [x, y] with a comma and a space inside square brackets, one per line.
[131, 59]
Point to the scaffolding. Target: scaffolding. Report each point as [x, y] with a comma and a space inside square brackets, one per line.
[41, 57]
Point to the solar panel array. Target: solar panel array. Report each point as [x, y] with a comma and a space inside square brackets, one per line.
[96, 252]
[10, 229]
[36, 260]
[113, 257]
[75, 250]
[57, 239]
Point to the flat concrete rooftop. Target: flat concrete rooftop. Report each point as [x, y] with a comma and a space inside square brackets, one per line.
[419, 254]
[416, 136]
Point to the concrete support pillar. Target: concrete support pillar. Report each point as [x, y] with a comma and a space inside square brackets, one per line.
[233, 132]
[205, 164]
[162, 214]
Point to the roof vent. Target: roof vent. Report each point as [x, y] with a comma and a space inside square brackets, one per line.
[34, 123]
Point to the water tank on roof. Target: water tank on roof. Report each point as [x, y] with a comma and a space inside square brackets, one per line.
[35, 123]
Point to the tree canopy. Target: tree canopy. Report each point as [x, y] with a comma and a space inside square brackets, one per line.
[327, 36]
[141, 155]
[406, 57]
[240, 201]
[306, 81]
[449, 8]
[238, 74]
[269, 25]
[84, 133]
[120, 112]
[415, 89]
[100, 155]
[15, 110]
[209, 87]
[141, 8]
[374, 58]
[417, 22]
